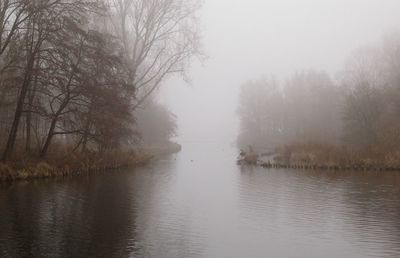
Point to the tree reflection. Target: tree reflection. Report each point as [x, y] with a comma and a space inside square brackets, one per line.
[68, 219]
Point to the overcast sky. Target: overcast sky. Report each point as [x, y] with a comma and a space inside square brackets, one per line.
[249, 39]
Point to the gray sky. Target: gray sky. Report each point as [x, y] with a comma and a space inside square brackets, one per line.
[249, 39]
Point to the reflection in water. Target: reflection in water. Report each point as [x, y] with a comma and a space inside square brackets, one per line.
[200, 204]
[73, 218]
[346, 214]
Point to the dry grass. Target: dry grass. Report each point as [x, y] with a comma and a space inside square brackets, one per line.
[71, 164]
[62, 161]
[161, 149]
[312, 153]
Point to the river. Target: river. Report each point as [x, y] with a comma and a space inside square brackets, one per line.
[199, 203]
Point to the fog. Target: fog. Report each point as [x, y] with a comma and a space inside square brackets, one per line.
[199, 128]
[249, 39]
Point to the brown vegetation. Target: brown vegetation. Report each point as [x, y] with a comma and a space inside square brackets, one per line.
[352, 122]
[327, 155]
[73, 75]
[66, 163]
[71, 165]
[161, 149]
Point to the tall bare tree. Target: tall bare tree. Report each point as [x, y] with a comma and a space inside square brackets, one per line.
[74, 72]
[159, 37]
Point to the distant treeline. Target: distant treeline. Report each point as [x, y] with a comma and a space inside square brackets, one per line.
[357, 113]
[73, 74]
[155, 123]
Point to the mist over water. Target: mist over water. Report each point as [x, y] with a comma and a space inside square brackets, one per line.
[308, 83]
[200, 204]
[251, 40]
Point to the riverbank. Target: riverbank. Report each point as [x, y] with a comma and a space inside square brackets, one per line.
[326, 157]
[77, 164]
[160, 149]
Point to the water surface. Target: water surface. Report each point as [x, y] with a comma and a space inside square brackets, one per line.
[199, 203]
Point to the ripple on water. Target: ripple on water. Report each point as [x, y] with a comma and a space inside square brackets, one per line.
[205, 208]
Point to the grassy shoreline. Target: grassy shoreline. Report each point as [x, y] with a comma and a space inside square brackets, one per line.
[325, 157]
[68, 165]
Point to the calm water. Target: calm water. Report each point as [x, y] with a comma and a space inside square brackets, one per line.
[200, 204]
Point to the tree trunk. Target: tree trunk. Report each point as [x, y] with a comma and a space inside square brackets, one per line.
[18, 111]
[31, 97]
[28, 132]
[87, 129]
[50, 135]
[84, 140]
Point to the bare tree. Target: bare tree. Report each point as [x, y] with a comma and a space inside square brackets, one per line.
[363, 84]
[159, 37]
[13, 13]
[66, 77]
[41, 20]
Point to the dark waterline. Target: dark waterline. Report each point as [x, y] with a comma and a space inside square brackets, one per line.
[200, 204]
